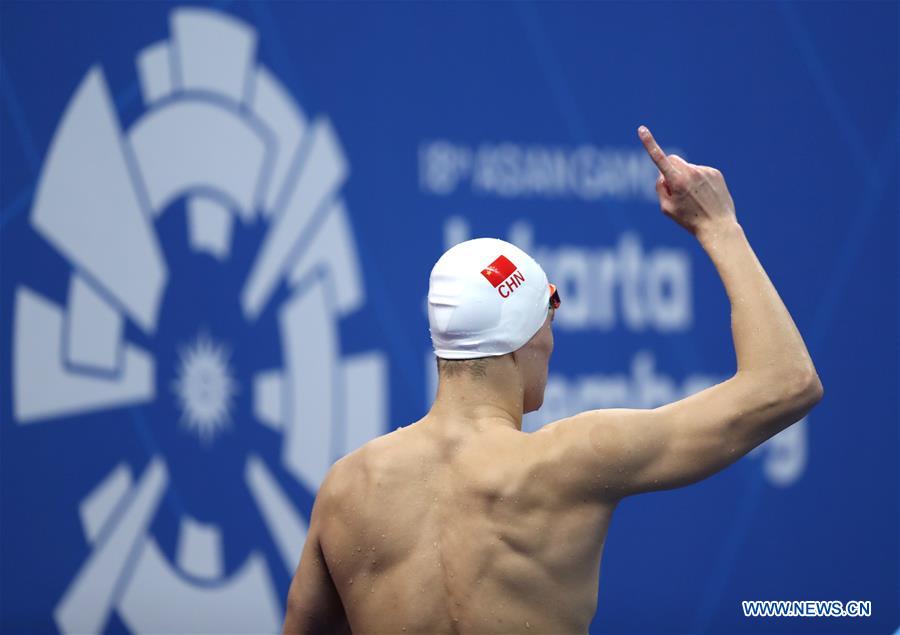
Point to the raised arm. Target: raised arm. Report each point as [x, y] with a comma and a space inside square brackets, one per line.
[622, 452]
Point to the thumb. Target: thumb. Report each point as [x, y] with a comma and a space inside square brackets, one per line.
[662, 186]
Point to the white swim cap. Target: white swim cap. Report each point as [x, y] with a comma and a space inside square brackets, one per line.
[486, 297]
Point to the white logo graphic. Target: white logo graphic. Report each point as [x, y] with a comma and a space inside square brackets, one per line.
[205, 387]
[223, 135]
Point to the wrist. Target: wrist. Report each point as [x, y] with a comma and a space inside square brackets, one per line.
[713, 234]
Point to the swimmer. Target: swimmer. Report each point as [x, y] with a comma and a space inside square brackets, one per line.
[462, 523]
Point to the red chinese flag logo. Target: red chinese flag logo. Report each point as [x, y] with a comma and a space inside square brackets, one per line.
[498, 271]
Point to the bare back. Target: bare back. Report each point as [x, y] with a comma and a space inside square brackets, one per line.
[443, 528]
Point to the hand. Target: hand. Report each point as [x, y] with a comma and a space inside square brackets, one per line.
[694, 196]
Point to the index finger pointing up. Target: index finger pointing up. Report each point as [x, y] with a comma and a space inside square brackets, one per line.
[656, 153]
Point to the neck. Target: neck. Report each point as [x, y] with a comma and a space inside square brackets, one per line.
[493, 399]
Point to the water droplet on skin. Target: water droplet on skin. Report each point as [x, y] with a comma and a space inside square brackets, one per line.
[434, 544]
[351, 580]
[527, 624]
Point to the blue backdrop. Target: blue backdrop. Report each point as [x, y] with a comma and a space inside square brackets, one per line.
[217, 225]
